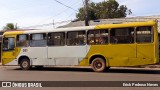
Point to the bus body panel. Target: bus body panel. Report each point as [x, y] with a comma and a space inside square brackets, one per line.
[116, 55]
[67, 55]
[38, 55]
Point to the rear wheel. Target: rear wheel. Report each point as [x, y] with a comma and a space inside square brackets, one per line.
[25, 64]
[98, 65]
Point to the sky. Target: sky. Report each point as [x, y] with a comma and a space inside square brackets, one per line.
[27, 13]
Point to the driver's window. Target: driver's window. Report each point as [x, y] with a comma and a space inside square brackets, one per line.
[8, 44]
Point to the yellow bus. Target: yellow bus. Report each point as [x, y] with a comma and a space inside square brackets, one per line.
[99, 46]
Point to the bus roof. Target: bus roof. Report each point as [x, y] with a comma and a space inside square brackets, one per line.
[128, 24]
[103, 26]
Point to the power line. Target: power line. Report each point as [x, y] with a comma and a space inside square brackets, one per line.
[65, 5]
[70, 15]
[42, 25]
[65, 10]
[49, 24]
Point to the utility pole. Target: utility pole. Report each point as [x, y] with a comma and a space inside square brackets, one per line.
[86, 13]
[16, 27]
[53, 24]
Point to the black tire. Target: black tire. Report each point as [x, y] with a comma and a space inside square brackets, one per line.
[107, 69]
[25, 64]
[98, 65]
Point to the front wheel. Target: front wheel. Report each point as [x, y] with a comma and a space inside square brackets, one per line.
[25, 64]
[98, 65]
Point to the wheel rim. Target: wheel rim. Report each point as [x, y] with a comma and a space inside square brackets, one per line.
[25, 64]
[98, 65]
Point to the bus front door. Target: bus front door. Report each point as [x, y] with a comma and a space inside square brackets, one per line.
[8, 50]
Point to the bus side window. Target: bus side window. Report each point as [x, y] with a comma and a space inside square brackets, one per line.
[144, 34]
[8, 44]
[38, 40]
[76, 38]
[122, 35]
[96, 37]
[56, 39]
[91, 38]
[23, 40]
[103, 37]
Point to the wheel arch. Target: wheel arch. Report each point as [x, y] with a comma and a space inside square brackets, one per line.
[98, 56]
[21, 57]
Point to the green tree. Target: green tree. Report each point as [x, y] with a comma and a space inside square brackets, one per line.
[10, 26]
[91, 12]
[104, 10]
